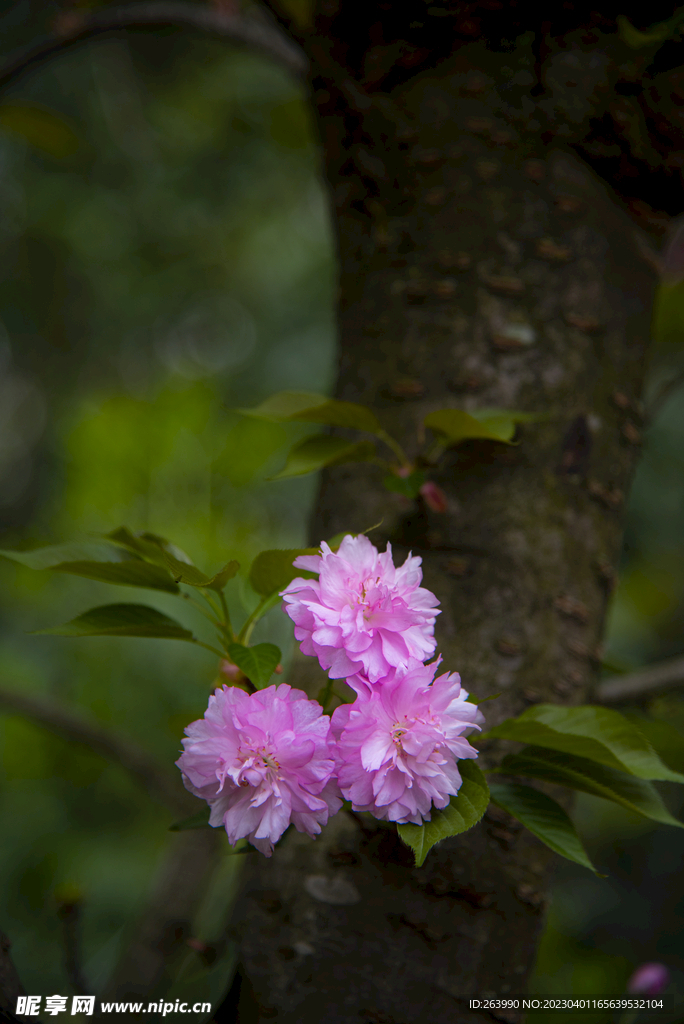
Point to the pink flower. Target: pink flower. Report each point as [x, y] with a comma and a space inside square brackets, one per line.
[261, 761]
[398, 744]
[649, 980]
[363, 614]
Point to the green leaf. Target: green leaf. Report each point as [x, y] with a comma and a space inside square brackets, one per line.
[199, 820]
[457, 425]
[664, 737]
[271, 571]
[130, 574]
[483, 700]
[409, 486]
[219, 581]
[463, 811]
[58, 554]
[312, 408]
[41, 127]
[149, 546]
[314, 453]
[122, 620]
[258, 663]
[545, 818]
[600, 734]
[96, 561]
[587, 776]
[193, 577]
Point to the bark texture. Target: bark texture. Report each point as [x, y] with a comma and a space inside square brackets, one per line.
[478, 268]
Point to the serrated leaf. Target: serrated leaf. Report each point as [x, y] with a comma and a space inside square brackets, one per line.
[131, 573]
[199, 820]
[311, 408]
[122, 620]
[544, 817]
[463, 811]
[409, 486]
[194, 577]
[587, 776]
[58, 554]
[258, 663]
[314, 453]
[597, 733]
[271, 571]
[219, 581]
[665, 738]
[457, 425]
[149, 546]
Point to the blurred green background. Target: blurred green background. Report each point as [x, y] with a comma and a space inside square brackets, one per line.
[167, 257]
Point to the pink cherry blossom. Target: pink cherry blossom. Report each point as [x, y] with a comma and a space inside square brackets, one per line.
[261, 761]
[363, 614]
[398, 744]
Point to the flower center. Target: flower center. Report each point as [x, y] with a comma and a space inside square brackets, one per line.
[370, 583]
[256, 764]
[268, 758]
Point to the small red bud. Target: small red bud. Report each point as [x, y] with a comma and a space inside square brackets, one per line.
[228, 669]
[278, 670]
[434, 497]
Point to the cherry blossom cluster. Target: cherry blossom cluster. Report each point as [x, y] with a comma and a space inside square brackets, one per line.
[271, 758]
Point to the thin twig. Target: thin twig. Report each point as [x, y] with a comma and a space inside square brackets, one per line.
[160, 784]
[666, 675]
[259, 33]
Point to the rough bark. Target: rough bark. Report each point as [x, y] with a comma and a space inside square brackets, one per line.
[478, 268]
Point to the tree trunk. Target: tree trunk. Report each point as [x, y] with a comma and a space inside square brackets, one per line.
[478, 268]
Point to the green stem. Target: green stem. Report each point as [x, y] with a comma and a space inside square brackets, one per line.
[396, 447]
[435, 452]
[250, 622]
[200, 608]
[220, 654]
[212, 604]
[224, 630]
[226, 618]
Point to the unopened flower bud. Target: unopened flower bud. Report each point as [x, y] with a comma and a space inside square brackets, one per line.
[229, 670]
[434, 497]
